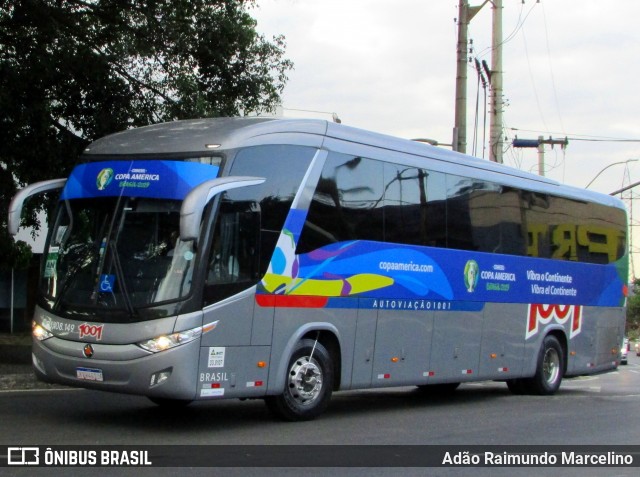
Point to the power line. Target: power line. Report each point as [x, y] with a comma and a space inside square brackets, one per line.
[604, 140]
[519, 24]
[581, 137]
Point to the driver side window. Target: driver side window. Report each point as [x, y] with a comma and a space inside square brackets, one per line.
[233, 261]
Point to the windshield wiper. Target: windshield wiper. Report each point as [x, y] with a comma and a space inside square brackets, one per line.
[120, 275]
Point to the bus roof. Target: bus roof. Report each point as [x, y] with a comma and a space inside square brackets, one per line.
[204, 136]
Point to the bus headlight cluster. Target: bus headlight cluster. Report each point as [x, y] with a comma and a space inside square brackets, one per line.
[165, 342]
[40, 333]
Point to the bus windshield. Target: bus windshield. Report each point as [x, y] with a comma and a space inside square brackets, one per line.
[114, 248]
[118, 253]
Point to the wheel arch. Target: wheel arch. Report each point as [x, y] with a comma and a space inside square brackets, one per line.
[327, 334]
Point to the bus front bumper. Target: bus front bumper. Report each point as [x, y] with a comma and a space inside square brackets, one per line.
[170, 374]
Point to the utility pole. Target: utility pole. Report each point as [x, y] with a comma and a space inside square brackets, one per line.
[495, 122]
[539, 143]
[465, 14]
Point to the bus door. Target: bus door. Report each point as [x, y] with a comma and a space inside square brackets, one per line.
[228, 362]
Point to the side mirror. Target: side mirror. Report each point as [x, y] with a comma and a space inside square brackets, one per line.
[15, 207]
[195, 202]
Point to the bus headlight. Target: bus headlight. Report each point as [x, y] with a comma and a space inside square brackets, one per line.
[40, 333]
[165, 342]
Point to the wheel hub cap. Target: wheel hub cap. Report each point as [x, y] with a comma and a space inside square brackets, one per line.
[305, 380]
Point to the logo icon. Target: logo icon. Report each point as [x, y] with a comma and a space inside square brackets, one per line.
[104, 178]
[106, 283]
[87, 351]
[94, 331]
[23, 456]
[471, 274]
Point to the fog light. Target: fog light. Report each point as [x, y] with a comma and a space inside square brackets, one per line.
[160, 377]
[37, 363]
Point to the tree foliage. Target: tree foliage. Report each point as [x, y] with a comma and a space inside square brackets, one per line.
[75, 70]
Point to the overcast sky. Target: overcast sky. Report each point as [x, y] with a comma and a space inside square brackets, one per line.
[570, 69]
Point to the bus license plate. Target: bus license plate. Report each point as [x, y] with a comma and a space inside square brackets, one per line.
[89, 374]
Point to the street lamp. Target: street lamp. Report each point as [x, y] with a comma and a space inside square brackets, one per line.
[433, 142]
[610, 165]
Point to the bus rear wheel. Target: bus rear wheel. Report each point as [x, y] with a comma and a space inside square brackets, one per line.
[549, 370]
[308, 384]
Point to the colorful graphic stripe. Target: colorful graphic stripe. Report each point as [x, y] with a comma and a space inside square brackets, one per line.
[401, 274]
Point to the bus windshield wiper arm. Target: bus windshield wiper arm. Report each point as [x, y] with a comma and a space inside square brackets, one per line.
[120, 275]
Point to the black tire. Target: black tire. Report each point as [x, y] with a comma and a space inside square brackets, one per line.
[549, 370]
[308, 384]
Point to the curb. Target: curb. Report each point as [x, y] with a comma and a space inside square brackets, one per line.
[15, 354]
[16, 373]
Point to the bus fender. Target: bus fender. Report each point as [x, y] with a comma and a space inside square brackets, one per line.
[277, 380]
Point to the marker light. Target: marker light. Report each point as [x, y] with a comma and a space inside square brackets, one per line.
[165, 342]
[40, 333]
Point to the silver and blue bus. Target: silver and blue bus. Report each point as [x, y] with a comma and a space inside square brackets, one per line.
[287, 259]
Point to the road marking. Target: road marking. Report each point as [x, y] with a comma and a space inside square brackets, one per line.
[7, 391]
[582, 379]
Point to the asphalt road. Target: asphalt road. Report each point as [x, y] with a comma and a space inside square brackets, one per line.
[593, 410]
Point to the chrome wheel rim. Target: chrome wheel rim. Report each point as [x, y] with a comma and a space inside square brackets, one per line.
[551, 366]
[305, 380]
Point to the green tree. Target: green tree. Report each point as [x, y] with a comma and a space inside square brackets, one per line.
[75, 70]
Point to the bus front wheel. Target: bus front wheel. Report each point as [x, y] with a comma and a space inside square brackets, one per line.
[308, 383]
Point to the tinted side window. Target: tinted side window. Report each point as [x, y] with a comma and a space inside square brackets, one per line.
[415, 206]
[364, 199]
[284, 167]
[513, 236]
[250, 218]
[484, 216]
[234, 259]
[567, 229]
[603, 239]
[474, 214]
[347, 204]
